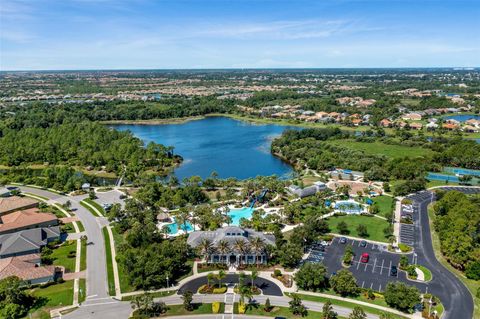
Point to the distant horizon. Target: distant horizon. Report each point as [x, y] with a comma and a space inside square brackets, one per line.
[453, 68]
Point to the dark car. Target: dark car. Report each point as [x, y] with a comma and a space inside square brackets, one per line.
[363, 243]
[393, 271]
[343, 240]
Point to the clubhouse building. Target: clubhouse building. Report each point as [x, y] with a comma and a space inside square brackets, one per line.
[232, 245]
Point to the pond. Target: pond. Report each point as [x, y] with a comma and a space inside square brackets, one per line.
[462, 117]
[230, 147]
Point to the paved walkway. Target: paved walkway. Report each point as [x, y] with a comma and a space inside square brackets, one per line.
[397, 218]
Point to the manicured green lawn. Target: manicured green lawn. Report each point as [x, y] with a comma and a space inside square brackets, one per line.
[440, 183]
[179, 310]
[80, 226]
[108, 254]
[96, 205]
[124, 284]
[426, 272]
[61, 255]
[83, 256]
[375, 226]
[385, 204]
[276, 311]
[379, 148]
[90, 209]
[56, 295]
[346, 304]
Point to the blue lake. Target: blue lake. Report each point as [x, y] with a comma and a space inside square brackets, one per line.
[462, 117]
[231, 148]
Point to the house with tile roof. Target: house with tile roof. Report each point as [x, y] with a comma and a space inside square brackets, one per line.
[26, 219]
[29, 269]
[14, 203]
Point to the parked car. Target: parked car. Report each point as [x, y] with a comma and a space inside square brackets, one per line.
[393, 271]
[343, 240]
[364, 258]
[363, 243]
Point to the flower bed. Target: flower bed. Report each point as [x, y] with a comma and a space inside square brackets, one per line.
[212, 289]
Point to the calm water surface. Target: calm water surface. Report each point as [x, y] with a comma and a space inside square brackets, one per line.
[231, 148]
[462, 117]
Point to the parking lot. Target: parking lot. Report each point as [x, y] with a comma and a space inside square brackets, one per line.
[408, 215]
[374, 274]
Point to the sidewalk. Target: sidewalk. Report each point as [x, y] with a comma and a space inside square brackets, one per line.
[398, 216]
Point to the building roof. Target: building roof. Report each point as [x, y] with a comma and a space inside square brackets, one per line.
[27, 240]
[25, 267]
[231, 234]
[25, 218]
[13, 203]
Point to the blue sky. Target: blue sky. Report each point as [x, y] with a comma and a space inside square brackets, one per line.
[129, 34]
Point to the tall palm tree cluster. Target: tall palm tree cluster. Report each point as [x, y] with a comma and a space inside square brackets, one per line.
[255, 246]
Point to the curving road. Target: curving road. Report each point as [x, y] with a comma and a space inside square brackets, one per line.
[96, 273]
[456, 298]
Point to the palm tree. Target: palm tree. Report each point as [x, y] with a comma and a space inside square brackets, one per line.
[221, 274]
[223, 247]
[241, 247]
[205, 248]
[257, 245]
[253, 276]
[210, 278]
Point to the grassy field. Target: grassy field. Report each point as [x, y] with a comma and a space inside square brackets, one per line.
[440, 183]
[199, 309]
[61, 255]
[379, 148]
[124, 284]
[56, 295]
[472, 285]
[385, 204]
[375, 226]
[80, 226]
[108, 254]
[347, 304]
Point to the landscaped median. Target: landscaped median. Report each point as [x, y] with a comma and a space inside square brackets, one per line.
[109, 261]
[89, 207]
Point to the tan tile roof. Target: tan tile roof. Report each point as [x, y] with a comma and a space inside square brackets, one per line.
[24, 267]
[25, 218]
[8, 204]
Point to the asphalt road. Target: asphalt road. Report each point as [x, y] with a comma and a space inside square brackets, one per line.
[268, 287]
[452, 292]
[96, 273]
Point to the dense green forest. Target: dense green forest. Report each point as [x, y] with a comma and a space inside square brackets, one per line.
[310, 148]
[457, 222]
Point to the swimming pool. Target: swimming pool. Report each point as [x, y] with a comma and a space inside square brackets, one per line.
[238, 213]
[442, 177]
[173, 228]
[348, 206]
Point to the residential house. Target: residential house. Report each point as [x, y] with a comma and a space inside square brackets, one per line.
[385, 123]
[233, 245]
[29, 241]
[431, 125]
[28, 268]
[412, 117]
[416, 126]
[14, 203]
[26, 219]
[450, 126]
[470, 129]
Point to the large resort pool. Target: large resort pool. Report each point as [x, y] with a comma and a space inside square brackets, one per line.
[238, 213]
[348, 207]
[173, 228]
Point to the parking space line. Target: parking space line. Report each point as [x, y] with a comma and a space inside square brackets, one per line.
[366, 265]
[390, 265]
[374, 265]
[358, 264]
[380, 287]
[381, 271]
[371, 285]
[363, 284]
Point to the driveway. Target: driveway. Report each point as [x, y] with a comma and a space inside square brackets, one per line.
[268, 287]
